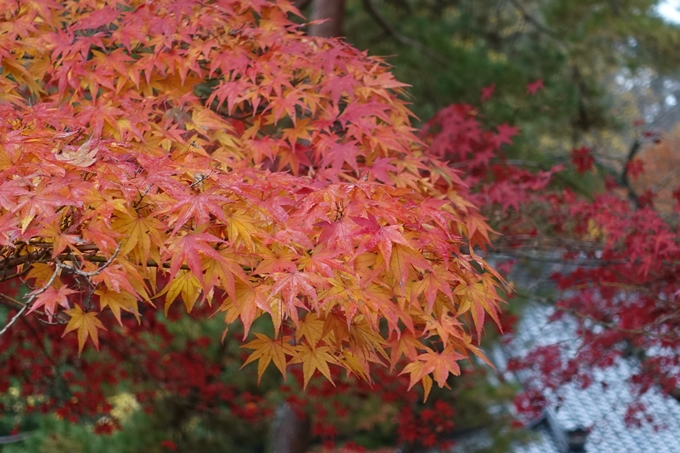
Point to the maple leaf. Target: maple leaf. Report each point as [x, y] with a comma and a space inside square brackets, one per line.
[404, 344]
[478, 297]
[382, 236]
[582, 159]
[292, 284]
[432, 283]
[339, 153]
[505, 134]
[185, 284]
[403, 258]
[197, 206]
[267, 350]
[533, 87]
[82, 156]
[50, 298]
[10, 190]
[60, 239]
[440, 364]
[488, 91]
[245, 305]
[187, 249]
[86, 324]
[117, 301]
[313, 359]
[225, 271]
[310, 327]
[381, 169]
[141, 234]
[96, 19]
[635, 168]
[41, 202]
[444, 327]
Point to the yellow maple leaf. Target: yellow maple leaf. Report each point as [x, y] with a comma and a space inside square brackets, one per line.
[117, 301]
[313, 359]
[86, 324]
[267, 350]
[185, 284]
[141, 232]
[311, 327]
[42, 272]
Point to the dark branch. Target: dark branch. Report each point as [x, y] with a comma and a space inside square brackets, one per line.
[535, 22]
[396, 34]
[625, 181]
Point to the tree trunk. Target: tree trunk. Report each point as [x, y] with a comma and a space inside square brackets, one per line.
[333, 11]
[290, 432]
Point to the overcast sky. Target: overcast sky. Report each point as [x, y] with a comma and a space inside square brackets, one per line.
[670, 9]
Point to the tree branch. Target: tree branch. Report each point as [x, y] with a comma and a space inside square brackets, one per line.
[30, 300]
[89, 274]
[396, 34]
[625, 182]
[535, 22]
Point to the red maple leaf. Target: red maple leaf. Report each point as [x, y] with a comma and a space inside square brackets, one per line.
[582, 158]
[635, 168]
[488, 91]
[532, 88]
[505, 134]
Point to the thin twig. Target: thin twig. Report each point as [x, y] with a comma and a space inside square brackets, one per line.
[14, 319]
[89, 274]
[536, 23]
[30, 300]
[625, 182]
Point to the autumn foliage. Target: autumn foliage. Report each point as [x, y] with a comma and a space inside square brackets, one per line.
[209, 157]
[613, 255]
[211, 154]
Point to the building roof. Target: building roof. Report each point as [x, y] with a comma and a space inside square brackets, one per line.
[600, 408]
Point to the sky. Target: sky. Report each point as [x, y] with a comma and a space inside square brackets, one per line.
[670, 9]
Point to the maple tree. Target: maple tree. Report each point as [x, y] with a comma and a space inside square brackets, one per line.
[211, 153]
[203, 157]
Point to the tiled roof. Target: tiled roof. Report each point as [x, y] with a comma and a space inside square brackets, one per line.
[601, 407]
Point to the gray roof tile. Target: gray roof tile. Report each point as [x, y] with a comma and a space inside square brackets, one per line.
[598, 408]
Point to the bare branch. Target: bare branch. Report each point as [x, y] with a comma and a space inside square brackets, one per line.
[14, 319]
[89, 274]
[30, 300]
[535, 22]
[625, 182]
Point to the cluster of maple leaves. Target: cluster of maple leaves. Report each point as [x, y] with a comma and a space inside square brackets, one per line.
[211, 153]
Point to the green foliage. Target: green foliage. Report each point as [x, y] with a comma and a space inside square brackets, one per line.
[574, 46]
